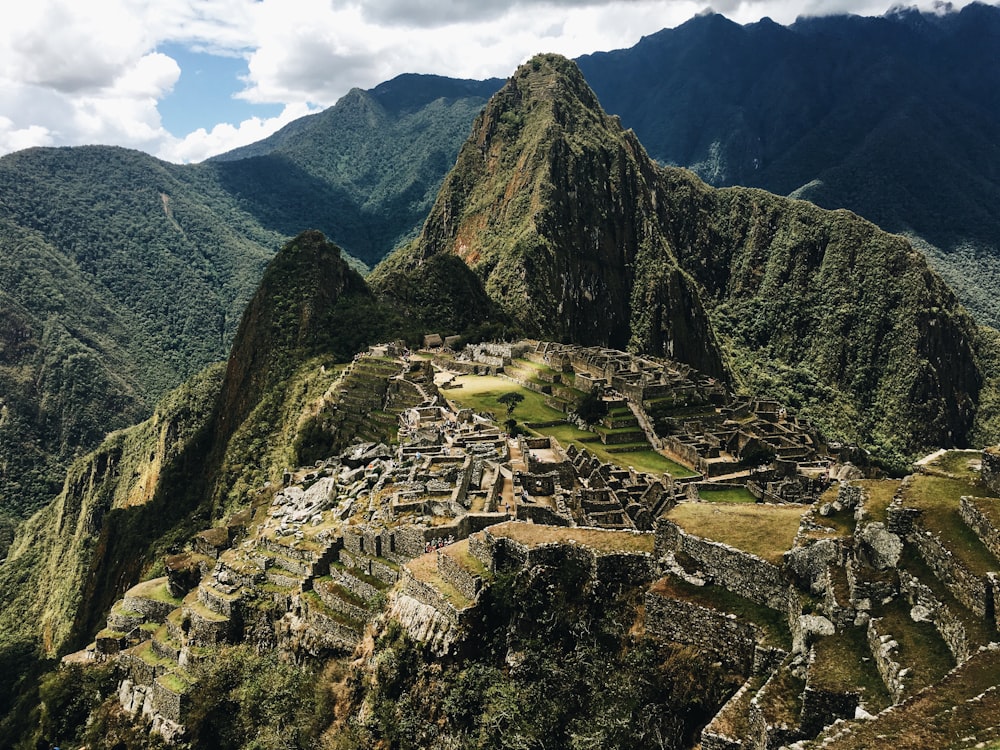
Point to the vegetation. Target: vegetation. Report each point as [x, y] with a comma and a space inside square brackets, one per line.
[764, 530]
[580, 679]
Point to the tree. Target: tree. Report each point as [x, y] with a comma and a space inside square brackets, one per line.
[510, 400]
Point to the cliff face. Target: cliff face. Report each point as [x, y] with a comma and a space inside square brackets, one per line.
[549, 205]
[575, 234]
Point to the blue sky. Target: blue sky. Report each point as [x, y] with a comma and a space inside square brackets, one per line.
[206, 92]
[186, 79]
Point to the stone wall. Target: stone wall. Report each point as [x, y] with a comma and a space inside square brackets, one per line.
[740, 572]
[991, 468]
[169, 703]
[883, 649]
[430, 596]
[970, 589]
[467, 583]
[727, 638]
[975, 519]
[950, 627]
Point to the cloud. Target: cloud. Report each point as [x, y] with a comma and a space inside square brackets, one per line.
[76, 72]
[201, 144]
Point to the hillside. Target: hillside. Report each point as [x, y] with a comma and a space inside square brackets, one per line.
[577, 235]
[366, 170]
[121, 276]
[877, 115]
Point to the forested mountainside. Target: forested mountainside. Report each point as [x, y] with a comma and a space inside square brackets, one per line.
[121, 276]
[892, 117]
[366, 170]
[577, 235]
[803, 109]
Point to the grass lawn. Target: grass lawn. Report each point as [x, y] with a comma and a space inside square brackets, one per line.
[726, 495]
[938, 498]
[763, 530]
[879, 494]
[602, 540]
[480, 392]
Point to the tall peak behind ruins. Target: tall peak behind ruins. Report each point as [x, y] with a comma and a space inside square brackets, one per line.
[549, 205]
[575, 234]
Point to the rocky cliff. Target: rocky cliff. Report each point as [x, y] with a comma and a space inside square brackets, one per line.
[575, 234]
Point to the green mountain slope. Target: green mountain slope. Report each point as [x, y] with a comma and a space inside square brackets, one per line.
[883, 116]
[120, 276]
[365, 171]
[575, 233]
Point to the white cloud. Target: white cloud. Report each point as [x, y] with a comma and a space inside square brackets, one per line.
[75, 72]
[201, 144]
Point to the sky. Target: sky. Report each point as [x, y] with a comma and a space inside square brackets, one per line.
[186, 79]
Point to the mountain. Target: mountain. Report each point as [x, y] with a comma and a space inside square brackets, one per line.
[552, 213]
[893, 118]
[576, 234]
[366, 170]
[120, 276]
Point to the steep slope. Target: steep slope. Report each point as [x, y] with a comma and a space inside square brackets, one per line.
[364, 171]
[877, 115]
[120, 276]
[549, 205]
[576, 234]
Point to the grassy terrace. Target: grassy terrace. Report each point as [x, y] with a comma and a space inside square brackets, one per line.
[938, 498]
[602, 540]
[958, 464]
[843, 662]
[459, 552]
[763, 530]
[320, 606]
[920, 645]
[359, 574]
[480, 393]
[424, 569]
[726, 495]
[977, 629]
[734, 720]
[879, 494]
[939, 718]
[783, 702]
[771, 623]
[155, 589]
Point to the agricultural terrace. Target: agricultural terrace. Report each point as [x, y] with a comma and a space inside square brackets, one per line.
[767, 531]
[601, 540]
[481, 393]
[938, 497]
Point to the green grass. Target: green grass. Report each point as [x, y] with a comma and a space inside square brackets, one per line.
[480, 392]
[959, 464]
[648, 461]
[726, 495]
[879, 494]
[938, 498]
[843, 663]
[920, 645]
[763, 530]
